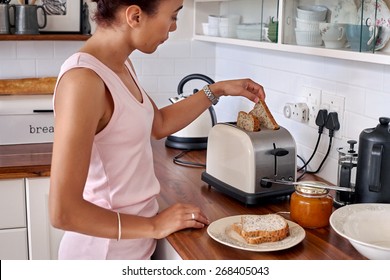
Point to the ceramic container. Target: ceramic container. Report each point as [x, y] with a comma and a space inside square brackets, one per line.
[362, 37]
[307, 25]
[312, 12]
[333, 35]
[308, 38]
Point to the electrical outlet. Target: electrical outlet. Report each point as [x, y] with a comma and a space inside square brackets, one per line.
[296, 111]
[313, 97]
[334, 103]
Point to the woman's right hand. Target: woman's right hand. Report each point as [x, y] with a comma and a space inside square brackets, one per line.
[177, 217]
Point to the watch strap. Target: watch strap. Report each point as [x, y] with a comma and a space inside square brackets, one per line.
[210, 95]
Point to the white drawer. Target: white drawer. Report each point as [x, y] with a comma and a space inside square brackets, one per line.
[12, 204]
[13, 244]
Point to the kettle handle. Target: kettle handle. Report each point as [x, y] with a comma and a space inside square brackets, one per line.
[44, 16]
[9, 19]
[192, 77]
[375, 174]
[202, 77]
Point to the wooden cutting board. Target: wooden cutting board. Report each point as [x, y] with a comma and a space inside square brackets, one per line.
[28, 86]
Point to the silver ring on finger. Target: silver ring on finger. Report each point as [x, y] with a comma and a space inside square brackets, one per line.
[192, 216]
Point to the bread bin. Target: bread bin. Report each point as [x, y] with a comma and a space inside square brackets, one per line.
[26, 119]
[238, 160]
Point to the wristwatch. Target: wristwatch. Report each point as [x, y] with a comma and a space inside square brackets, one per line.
[210, 95]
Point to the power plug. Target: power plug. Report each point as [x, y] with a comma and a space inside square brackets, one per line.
[332, 123]
[321, 119]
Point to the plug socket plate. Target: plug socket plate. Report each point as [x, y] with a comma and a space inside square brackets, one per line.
[313, 97]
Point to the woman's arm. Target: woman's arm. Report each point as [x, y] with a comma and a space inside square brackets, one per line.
[176, 116]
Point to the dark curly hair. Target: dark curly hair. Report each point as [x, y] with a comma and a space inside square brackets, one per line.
[106, 9]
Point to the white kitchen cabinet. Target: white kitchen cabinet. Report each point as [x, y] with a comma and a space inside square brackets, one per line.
[13, 244]
[13, 231]
[43, 238]
[12, 204]
[284, 12]
[165, 251]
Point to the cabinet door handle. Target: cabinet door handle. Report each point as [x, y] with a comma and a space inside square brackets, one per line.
[43, 111]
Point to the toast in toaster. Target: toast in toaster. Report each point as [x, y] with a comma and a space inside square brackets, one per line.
[249, 122]
[261, 111]
[256, 229]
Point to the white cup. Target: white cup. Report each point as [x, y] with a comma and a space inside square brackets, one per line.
[333, 35]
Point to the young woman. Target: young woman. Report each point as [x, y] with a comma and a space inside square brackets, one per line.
[103, 186]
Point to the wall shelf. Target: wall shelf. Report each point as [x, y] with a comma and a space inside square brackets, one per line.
[45, 37]
[285, 12]
[378, 57]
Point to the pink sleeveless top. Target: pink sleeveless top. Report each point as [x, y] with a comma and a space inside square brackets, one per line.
[121, 174]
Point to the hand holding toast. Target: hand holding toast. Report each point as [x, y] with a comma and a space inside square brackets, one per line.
[242, 87]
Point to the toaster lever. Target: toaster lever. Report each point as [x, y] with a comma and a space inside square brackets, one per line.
[279, 152]
[266, 182]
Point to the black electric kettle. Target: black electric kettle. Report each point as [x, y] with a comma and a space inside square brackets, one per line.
[373, 168]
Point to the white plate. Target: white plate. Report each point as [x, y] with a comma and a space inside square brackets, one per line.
[343, 11]
[222, 232]
[366, 226]
[382, 19]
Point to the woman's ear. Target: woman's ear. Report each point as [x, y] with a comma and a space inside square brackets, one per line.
[133, 15]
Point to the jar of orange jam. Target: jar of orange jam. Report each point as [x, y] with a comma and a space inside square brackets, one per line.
[311, 207]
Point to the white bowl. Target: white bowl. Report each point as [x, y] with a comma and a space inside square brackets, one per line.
[366, 226]
[308, 25]
[308, 38]
[312, 12]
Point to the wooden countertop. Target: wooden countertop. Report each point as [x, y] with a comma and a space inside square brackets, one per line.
[184, 184]
[28, 86]
[22, 161]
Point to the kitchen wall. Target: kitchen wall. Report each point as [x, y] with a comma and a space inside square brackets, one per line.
[365, 87]
[282, 74]
[160, 72]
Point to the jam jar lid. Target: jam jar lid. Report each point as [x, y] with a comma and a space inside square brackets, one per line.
[311, 188]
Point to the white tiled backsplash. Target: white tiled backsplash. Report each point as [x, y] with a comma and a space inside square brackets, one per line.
[363, 85]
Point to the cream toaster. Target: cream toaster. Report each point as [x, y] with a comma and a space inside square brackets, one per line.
[242, 164]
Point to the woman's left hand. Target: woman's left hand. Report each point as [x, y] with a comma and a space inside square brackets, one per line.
[242, 87]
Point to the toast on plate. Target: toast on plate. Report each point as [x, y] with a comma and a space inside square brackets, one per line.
[256, 229]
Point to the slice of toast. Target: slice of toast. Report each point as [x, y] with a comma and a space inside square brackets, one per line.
[261, 111]
[248, 122]
[256, 229]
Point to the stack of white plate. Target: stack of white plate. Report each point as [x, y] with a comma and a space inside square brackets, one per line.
[308, 19]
